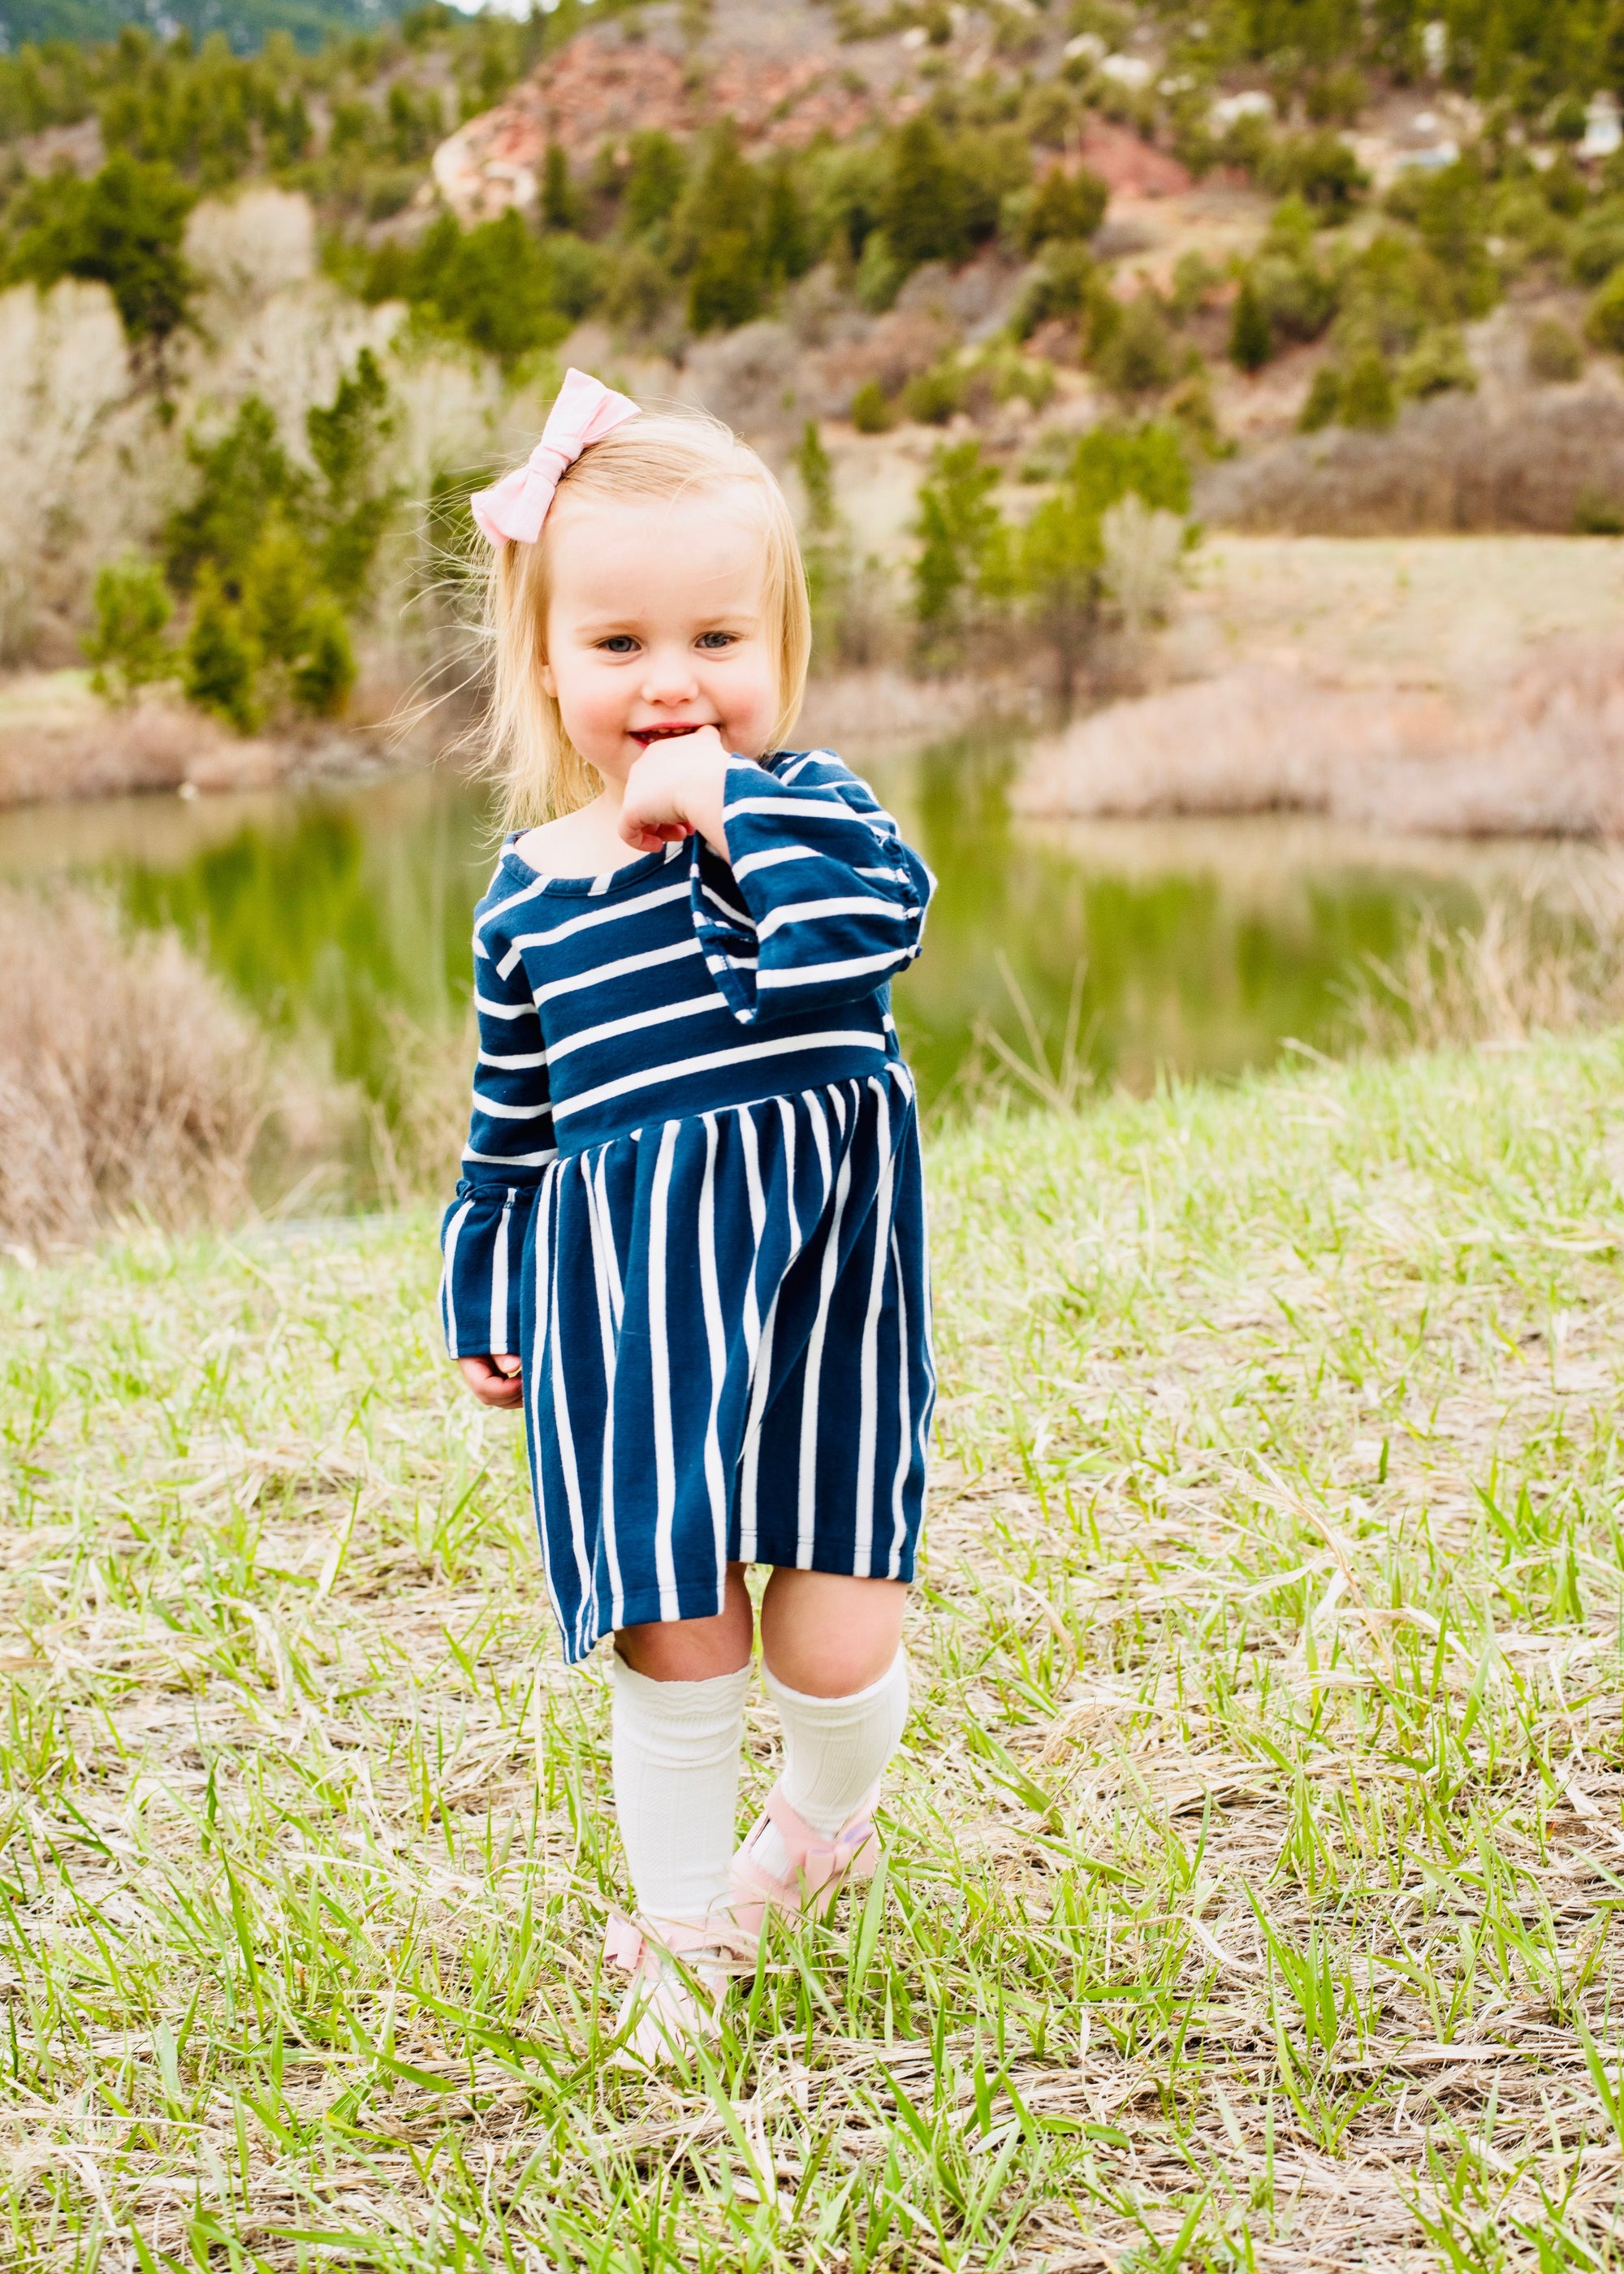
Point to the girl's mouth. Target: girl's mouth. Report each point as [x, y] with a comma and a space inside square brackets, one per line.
[647, 735]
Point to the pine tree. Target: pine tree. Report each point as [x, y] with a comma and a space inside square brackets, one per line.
[1367, 395]
[560, 206]
[923, 210]
[1066, 205]
[276, 584]
[127, 646]
[817, 478]
[220, 661]
[655, 181]
[323, 680]
[1251, 342]
[786, 245]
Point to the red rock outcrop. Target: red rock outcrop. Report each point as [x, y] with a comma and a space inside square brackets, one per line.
[603, 88]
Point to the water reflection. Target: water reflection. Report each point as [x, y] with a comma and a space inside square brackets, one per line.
[1196, 946]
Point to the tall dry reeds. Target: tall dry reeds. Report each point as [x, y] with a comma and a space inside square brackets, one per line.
[1536, 963]
[130, 1085]
[1539, 754]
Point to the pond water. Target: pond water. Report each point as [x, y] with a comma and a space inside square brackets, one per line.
[1194, 948]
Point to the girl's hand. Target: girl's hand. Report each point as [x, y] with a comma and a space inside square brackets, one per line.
[494, 1380]
[679, 786]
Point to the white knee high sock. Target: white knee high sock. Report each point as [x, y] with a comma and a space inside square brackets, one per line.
[835, 1748]
[675, 1747]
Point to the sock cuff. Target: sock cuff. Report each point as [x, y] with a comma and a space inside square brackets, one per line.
[680, 1700]
[802, 1701]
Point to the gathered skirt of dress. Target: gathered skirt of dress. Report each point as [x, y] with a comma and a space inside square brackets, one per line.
[725, 1323]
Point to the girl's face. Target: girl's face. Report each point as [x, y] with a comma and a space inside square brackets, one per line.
[657, 623]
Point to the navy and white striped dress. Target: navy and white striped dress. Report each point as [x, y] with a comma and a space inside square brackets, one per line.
[692, 1202]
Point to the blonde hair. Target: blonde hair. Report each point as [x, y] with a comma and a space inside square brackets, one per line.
[659, 455]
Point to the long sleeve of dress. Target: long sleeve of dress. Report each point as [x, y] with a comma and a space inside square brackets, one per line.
[510, 1142]
[820, 903]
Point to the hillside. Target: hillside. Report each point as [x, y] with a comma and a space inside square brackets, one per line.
[245, 25]
[977, 274]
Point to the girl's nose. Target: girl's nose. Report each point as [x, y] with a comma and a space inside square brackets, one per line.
[669, 676]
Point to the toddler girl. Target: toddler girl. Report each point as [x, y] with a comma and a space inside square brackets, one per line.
[689, 1237]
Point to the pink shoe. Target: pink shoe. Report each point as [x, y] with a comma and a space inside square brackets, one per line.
[820, 1862]
[660, 2005]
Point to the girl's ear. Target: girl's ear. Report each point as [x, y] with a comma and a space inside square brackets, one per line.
[549, 683]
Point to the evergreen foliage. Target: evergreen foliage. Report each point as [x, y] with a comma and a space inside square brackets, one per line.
[220, 659]
[122, 227]
[127, 646]
[1064, 206]
[1252, 340]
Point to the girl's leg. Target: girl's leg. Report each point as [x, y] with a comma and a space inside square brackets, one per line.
[677, 1722]
[836, 1671]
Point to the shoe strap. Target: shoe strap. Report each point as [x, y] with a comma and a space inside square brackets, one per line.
[628, 1942]
[818, 1856]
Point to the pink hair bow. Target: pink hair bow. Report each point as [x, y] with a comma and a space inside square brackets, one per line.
[584, 411]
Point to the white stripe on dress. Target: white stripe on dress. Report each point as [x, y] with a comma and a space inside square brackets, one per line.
[586, 1607]
[847, 904]
[770, 1046]
[868, 1402]
[716, 1339]
[447, 1291]
[498, 1281]
[606, 1278]
[598, 972]
[806, 1512]
[854, 967]
[519, 941]
[659, 1367]
[584, 1037]
[898, 1520]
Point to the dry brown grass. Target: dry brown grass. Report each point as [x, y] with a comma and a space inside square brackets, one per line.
[130, 1086]
[1537, 756]
[1541, 961]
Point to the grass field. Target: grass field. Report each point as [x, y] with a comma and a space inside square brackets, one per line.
[1254, 1858]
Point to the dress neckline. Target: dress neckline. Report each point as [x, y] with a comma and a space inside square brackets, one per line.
[607, 880]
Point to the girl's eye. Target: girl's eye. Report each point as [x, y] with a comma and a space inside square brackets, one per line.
[619, 643]
[717, 640]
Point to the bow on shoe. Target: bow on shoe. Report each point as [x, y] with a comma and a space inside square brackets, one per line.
[513, 511]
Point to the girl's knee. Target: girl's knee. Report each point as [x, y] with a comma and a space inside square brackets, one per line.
[828, 1634]
[693, 1650]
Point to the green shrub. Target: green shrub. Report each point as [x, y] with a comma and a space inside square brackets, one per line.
[497, 286]
[325, 674]
[1368, 399]
[1598, 244]
[924, 211]
[871, 413]
[1252, 340]
[1324, 401]
[220, 659]
[127, 647]
[275, 595]
[933, 396]
[123, 228]
[1322, 169]
[963, 560]
[638, 290]
[1555, 353]
[1064, 206]
[724, 288]
[1604, 325]
[244, 478]
[1067, 281]
[654, 182]
[1437, 365]
[1141, 355]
